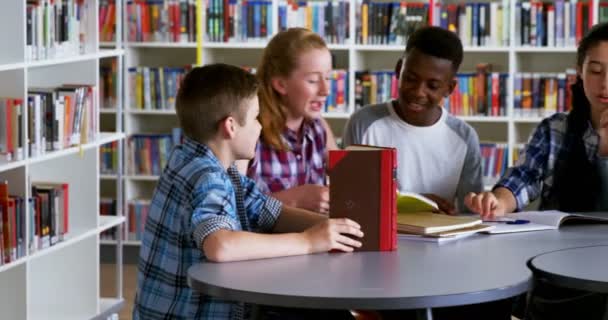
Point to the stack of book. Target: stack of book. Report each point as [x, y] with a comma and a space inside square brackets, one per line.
[418, 218]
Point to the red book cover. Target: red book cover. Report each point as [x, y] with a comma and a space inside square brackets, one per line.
[363, 188]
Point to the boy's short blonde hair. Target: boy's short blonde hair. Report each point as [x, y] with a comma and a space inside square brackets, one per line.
[211, 93]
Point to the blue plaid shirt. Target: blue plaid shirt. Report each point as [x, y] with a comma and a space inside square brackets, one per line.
[532, 175]
[195, 197]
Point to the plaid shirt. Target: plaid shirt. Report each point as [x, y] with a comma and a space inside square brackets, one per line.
[304, 163]
[195, 197]
[532, 176]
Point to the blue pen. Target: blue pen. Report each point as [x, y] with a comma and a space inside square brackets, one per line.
[516, 221]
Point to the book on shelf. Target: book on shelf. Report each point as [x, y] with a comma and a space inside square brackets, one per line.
[137, 216]
[367, 197]
[51, 206]
[542, 94]
[56, 28]
[148, 153]
[155, 88]
[476, 23]
[108, 85]
[477, 94]
[107, 20]
[11, 129]
[557, 24]
[161, 20]
[12, 225]
[542, 220]
[61, 117]
[328, 19]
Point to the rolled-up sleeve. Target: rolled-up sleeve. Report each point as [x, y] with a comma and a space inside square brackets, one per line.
[262, 210]
[524, 180]
[213, 208]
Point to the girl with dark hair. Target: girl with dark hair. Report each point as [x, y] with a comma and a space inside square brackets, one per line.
[566, 165]
[566, 160]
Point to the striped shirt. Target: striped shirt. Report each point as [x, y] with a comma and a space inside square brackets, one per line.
[533, 174]
[195, 197]
[302, 163]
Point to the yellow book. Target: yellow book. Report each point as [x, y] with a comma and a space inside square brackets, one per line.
[413, 202]
[429, 222]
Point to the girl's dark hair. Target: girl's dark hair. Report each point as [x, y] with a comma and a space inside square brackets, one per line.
[576, 183]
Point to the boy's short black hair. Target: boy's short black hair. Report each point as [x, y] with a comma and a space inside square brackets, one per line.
[437, 42]
[211, 93]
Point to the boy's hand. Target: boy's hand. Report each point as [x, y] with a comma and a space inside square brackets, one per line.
[312, 197]
[444, 205]
[485, 204]
[331, 235]
[602, 131]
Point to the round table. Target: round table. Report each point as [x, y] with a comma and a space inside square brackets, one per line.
[563, 268]
[419, 275]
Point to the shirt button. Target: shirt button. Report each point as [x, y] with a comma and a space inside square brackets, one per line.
[299, 157]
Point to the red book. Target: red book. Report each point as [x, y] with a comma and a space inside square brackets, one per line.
[363, 188]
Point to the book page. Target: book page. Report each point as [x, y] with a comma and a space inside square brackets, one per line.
[550, 217]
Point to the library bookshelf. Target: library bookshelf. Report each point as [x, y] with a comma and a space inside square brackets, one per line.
[509, 131]
[62, 280]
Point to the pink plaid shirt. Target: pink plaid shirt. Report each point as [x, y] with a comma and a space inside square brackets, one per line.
[304, 163]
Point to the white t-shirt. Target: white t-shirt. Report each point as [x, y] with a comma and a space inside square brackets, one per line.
[443, 158]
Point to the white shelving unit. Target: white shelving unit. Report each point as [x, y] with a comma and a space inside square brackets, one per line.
[510, 130]
[61, 281]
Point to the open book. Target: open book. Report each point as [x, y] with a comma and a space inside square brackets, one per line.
[413, 202]
[543, 220]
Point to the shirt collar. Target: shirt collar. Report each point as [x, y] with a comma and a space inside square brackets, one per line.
[291, 136]
[197, 149]
[591, 140]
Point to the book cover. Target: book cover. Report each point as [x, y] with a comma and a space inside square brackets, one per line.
[363, 188]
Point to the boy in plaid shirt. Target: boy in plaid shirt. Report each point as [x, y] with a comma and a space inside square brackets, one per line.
[204, 210]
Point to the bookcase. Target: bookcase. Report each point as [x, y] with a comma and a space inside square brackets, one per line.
[62, 280]
[236, 32]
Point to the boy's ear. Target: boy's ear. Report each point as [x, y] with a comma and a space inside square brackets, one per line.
[227, 127]
[278, 84]
[398, 67]
[451, 86]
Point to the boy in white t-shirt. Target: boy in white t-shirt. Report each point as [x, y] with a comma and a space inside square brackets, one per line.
[438, 154]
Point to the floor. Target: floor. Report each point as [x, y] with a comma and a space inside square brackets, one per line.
[108, 285]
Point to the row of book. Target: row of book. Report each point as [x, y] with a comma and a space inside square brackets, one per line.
[107, 20]
[337, 100]
[238, 20]
[559, 23]
[476, 23]
[108, 158]
[161, 21]
[494, 161]
[154, 88]
[380, 22]
[11, 129]
[108, 85]
[481, 93]
[137, 213]
[542, 94]
[48, 214]
[60, 117]
[56, 28]
[329, 19]
[147, 154]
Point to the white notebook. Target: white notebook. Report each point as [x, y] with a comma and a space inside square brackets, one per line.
[542, 220]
